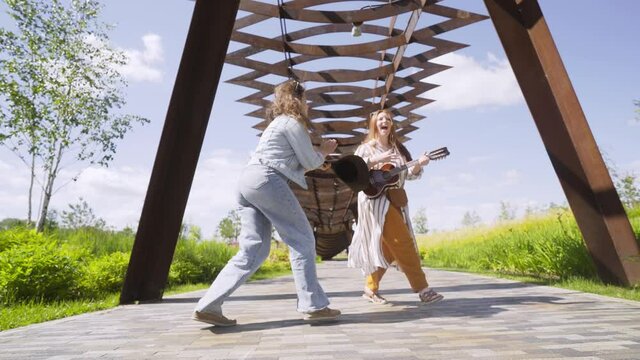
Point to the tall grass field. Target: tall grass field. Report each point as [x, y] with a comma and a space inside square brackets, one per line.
[547, 248]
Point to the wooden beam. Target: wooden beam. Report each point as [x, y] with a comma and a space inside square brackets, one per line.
[397, 58]
[567, 138]
[297, 12]
[179, 149]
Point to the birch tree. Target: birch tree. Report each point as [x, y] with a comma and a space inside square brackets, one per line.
[60, 91]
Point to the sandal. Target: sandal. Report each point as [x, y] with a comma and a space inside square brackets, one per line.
[429, 296]
[375, 298]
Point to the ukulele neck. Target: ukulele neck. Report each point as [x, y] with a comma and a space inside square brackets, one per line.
[402, 168]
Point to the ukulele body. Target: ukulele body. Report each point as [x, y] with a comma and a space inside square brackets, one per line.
[379, 180]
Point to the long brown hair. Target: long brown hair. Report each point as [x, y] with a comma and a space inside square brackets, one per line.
[289, 100]
[373, 132]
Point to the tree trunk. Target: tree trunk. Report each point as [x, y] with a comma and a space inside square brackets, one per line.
[31, 181]
[48, 189]
[45, 206]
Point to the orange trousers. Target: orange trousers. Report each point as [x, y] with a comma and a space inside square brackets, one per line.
[397, 244]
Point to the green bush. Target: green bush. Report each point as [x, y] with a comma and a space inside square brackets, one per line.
[198, 262]
[634, 217]
[104, 275]
[18, 235]
[38, 270]
[98, 242]
[10, 223]
[90, 263]
[277, 262]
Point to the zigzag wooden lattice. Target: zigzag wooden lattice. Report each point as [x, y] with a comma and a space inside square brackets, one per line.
[381, 74]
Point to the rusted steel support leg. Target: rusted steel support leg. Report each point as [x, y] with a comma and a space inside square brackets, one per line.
[567, 138]
[179, 149]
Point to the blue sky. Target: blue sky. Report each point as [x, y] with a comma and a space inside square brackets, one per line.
[479, 113]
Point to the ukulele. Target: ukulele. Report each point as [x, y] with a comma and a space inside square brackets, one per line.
[389, 175]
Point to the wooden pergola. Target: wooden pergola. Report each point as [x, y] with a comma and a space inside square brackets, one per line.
[391, 67]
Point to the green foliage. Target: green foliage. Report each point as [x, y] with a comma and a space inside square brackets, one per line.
[97, 242]
[38, 270]
[36, 311]
[10, 223]
[81, 215]
[626, 184]
[229, 227]
[507, 211]
[471, 219]
[628, 190]
[62, 264]
[44, 276]
[198, 262]
[50, 223]
[190, 232]
[276, 263]
[104, 275]
[548, 246]
[419, 222]
[17, 236]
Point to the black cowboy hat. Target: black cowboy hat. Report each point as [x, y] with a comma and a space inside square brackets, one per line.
[353, 171]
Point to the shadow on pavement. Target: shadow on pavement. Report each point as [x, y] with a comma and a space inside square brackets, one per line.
[410, 311]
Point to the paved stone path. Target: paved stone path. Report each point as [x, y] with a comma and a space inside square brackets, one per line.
[481, 317]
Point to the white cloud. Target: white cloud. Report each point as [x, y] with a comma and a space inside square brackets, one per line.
[473, 83]
[445, 217]
[450, 186]
[511, 177]
[466, 177]
[634, 167]
[116, 194]
[143, 64]
[214, 193]
[478, 159]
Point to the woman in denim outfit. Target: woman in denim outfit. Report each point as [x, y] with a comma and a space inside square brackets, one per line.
[284, 153]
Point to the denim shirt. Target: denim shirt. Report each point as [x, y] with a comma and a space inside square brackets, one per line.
[285, 146]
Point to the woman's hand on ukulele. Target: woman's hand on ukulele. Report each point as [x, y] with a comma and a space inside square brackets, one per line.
[422, 161]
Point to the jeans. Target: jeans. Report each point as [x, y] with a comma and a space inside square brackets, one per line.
[265, 199]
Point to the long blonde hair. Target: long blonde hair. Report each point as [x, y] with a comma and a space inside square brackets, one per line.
[373, 132]
[373, 129]
[289, 100]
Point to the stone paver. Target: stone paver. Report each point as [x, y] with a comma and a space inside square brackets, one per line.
[480, 318]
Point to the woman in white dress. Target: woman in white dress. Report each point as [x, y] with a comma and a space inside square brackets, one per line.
[383, 235]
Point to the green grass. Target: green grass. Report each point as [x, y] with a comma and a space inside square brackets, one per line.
[549, 246]
[97, 241]
[547, 249]
[180, 289]
[597, 287]
[579, 284]
[33, 312]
